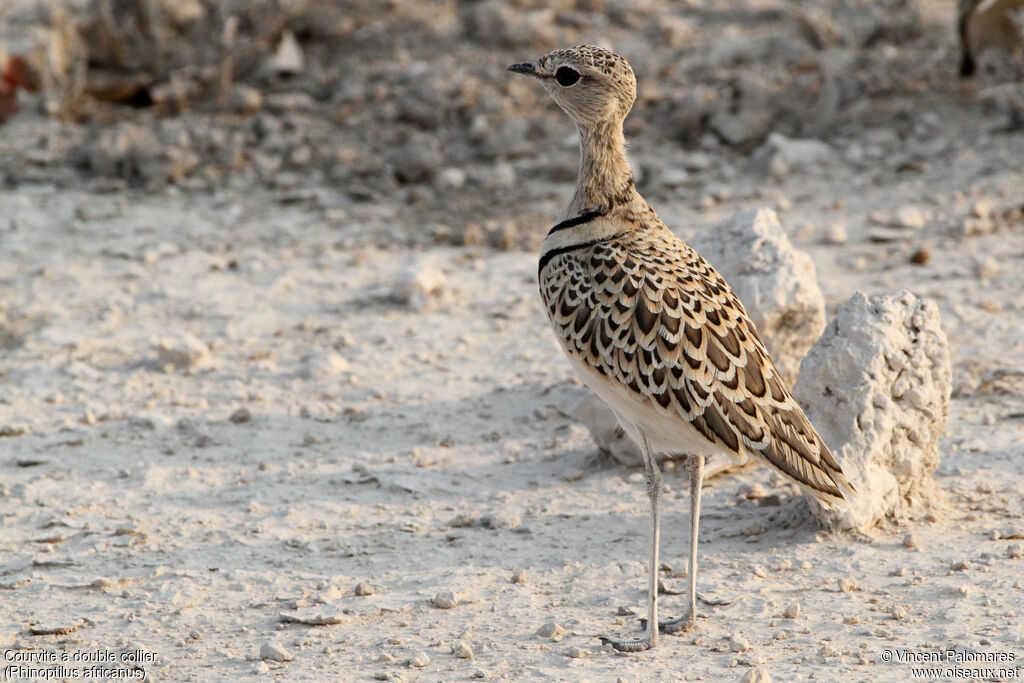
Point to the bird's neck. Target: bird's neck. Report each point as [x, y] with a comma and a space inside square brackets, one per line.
[605, 179]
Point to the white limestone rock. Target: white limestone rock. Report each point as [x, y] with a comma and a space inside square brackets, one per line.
[877, 388]
[776, 283]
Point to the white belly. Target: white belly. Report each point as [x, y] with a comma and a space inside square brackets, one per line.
[667, 434]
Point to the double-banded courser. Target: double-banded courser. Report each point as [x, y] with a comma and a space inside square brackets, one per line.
[652, 328]
[986, 24]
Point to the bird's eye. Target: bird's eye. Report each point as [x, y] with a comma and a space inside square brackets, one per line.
[566, 76]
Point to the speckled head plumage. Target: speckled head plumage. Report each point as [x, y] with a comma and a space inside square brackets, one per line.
[591, 84]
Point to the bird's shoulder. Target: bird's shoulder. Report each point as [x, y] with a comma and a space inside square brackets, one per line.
[633, 250]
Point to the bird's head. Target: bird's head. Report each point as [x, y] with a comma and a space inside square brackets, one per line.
[592, 85]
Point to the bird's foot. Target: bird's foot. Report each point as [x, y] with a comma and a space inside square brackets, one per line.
[676, 625]
[631, 644]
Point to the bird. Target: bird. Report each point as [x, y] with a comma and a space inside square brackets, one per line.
[986, 24]
[653, 329]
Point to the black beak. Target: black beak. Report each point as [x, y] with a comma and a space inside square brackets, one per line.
[524, 68]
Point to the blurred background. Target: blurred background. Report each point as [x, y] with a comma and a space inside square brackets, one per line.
[407, 103]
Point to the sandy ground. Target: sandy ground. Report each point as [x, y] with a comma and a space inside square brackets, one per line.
[224, 441]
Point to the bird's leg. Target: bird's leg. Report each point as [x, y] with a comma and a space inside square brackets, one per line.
[695, 463]
[654, 491]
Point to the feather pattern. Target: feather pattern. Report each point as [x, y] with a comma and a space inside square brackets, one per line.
[662, 337]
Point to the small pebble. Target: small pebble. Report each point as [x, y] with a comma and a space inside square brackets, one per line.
[910, 540]
[836, 234]
[519, 576]
[792, 612]
[983, 208]
[418, 286]
[287, 58]
[1015, 551]
[420, 660]
[550, 630]
[245, 100]
[444, 600]
[500, 520]
[574, 475]
[364, 589]
[60, 627]
[986, 267]
[921, 257]
[575, 652]
[959, 566]
[182, 352]
[461, 650]
[450, 178]
[481, 674]
[759, 571]
[847, 585]
[326, 365]
[737, 643]
[241, 416]
[898, 612]
[910, 217]
[756, 675]
[275, 652]
[898, 571]
[502, 175]
[754, 491]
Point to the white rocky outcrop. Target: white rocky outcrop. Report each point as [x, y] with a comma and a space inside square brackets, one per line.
[877, 388]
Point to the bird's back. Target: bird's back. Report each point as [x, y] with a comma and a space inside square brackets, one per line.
[658, 334]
